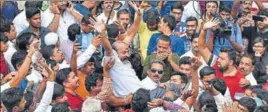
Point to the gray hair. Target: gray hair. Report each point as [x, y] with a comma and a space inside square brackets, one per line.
[91, 105]
[157, 61]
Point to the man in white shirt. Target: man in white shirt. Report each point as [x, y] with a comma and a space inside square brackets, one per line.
[107, 8]
[59, 17]
[155, 73]
[124, 78]
[246, 66]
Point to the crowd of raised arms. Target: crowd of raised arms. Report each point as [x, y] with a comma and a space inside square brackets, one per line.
[134, 56]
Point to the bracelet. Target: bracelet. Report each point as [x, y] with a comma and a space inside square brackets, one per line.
[125, 101]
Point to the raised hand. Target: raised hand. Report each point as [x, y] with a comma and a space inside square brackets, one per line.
[35, 46]
[186, 95]
[135, 7]
[120, 26]
[96, 41]
[99, 26]
[211, 23]
[76, 47]
[54, 9]
[71, 6]
[51, 73]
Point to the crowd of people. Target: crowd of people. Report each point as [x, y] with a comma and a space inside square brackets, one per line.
[134, 56]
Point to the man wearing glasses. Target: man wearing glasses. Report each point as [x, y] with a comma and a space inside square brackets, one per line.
[176, 11]
[155, 73]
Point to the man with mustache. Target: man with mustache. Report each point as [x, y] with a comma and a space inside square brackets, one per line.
[246, 66]
[224, 64]
[122, 73]
[107, 9]
[163, 52]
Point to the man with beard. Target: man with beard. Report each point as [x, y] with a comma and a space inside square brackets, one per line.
[69, 80]
[191, 26]
[122, 74]
[246, 66]
[107, 9]
[163, 52]
[33, 16]
[245, 19]
[224, 64]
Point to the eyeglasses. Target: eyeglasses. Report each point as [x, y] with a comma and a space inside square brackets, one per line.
[258, 46]
[158, 71]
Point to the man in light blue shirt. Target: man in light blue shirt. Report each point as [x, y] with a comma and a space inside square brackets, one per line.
[87, 34]
[232, 40]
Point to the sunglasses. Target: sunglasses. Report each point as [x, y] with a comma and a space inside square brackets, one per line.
[158, 71]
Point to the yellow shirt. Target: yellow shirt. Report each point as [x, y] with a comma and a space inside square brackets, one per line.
[144, 35]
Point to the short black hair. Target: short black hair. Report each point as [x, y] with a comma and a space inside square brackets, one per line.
[185, 60]
[91, 80]
[260, 39]
[191, 18]
[29, 95]
[182, 75]
[177, 5]
[209, 108]
[11, 97]
[152, 15]
[231, 53]
[30, 12]
[60, 107]
[140, 99]
[112, 32]
[85, 18]
[23, 40]
[206, 98]
[219, 85]
[249, 103]
[225, 8]
[73, 30]
[3, 38]
[5, 26]
[212, 2]
[62, 75]
[18, 58]
[58, 91]
[164, 38]
[205, 71]
[171, 21]
[47, 51]
[122, 11]
[262, 108]
[34, 4]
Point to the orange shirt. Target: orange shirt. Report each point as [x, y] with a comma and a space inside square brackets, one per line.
[81, 90]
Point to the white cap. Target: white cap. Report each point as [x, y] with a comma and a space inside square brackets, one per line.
[51, 38]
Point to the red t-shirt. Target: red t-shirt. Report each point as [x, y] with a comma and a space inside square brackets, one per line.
[75, 101]
[3, 65]
[232, 82]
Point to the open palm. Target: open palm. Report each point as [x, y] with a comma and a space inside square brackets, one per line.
[211, 23]
[99, 26]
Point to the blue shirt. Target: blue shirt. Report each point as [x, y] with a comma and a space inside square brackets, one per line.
[187, 43]
[82, 9]
[177, 45]
[167, 8]
[220, 42]
[9, 10]
[180, 27]
[87, 40]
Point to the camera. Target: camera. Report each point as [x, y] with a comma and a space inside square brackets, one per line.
[225, 29]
